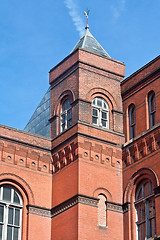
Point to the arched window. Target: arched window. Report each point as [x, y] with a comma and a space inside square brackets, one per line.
[66, 115]
[145, 209]
[10, 213]
[100, 112]
[102, 210]
[132, 121]
[152, 109]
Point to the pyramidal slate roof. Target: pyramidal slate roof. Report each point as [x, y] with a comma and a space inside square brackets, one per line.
[88, 42]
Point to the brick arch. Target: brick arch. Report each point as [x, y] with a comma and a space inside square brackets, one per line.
[65, 94]
[137, 177]
[104, 192]
[20, 184]
[95, 92]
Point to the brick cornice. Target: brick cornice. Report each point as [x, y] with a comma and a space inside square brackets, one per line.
[86, 135]
[148, 77]
[141, 69]
[115, 207]
[142, 146]
[73, 201]
[26, 144]
[79, 198]
[37, 210]
[143, 134]
[102, 69]
[53, 118]
[116, 111]
[80, 100]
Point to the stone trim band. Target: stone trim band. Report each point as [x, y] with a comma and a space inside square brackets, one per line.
[79, 198]
[116, 207]
[41, 211]
[71, 202]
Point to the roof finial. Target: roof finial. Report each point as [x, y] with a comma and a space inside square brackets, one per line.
[87, 14]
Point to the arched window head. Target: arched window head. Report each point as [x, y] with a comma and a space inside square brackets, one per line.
[145, 209]
[102, 210]
[132, 121]
[100, 112]
[10, 213]
[152, 109]
[66, 115]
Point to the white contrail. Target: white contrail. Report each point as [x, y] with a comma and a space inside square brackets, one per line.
[118, 9]
[73, 12]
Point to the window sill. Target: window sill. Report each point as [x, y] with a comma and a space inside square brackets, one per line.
[103, 227]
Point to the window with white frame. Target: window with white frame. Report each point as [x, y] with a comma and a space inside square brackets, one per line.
[10, 213]
[66, 115]
[100, 112]
[145, 209]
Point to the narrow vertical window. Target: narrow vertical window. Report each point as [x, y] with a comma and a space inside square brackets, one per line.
[132, 121]
[100, 113]
[145, 209]
[152, 109]
[10, 213]
[102, 210]
[66, 115]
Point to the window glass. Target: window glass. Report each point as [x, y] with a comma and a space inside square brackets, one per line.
[104, 123]
[132, 121]
[152, 102]
[15, 237]
[104, 105]
[7, 194]
[1, 230]
[104, 115]
[147, 189]
[1, 213]
[9, 233]
[17, 217]
[66, 105]
[10, 215]
[95, 112]
[99, 102]
[94, 101]
[152, 109]
[16, 198]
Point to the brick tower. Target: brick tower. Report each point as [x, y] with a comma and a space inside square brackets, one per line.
[87, 134]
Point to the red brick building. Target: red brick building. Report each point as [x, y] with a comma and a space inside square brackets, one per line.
[141, 152]
[97, 175]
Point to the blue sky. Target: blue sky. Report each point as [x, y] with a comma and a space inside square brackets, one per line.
[35, 35]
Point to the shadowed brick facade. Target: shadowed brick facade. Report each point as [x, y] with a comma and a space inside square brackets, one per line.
[82, 182]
